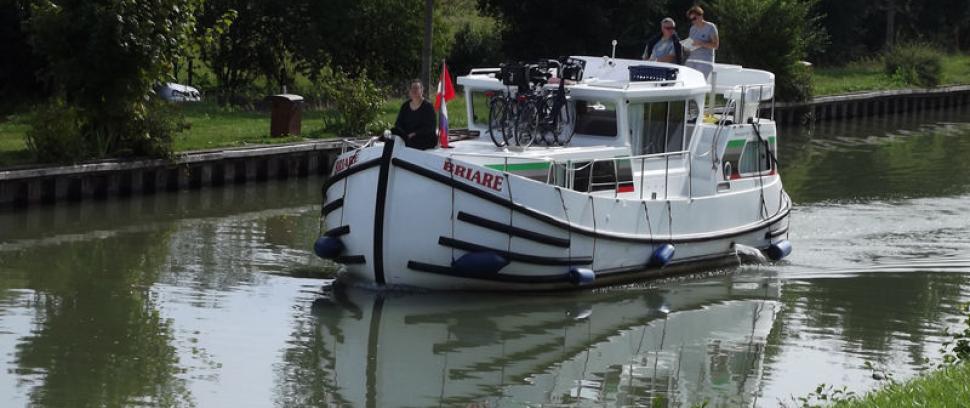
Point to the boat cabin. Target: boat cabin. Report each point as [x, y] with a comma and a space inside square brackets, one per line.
[626, 128]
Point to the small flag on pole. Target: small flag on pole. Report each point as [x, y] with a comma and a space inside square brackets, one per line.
[446, 92]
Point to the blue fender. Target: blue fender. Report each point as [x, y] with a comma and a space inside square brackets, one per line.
[779, 250]
[480, 263]
[328, 247]
[582, 276]
[662, 255]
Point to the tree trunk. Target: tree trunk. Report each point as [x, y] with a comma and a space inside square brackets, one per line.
[890, 24]
[426, 50]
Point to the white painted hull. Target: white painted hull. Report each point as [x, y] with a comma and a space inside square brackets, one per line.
[403, 219]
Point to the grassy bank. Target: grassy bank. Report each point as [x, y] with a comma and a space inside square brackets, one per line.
[869, 76]
[213, 127]
[949, 387]
[216, 127]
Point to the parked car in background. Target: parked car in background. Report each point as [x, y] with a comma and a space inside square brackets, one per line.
[178, 93]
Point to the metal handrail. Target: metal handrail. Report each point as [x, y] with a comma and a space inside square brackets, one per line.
[570, 171]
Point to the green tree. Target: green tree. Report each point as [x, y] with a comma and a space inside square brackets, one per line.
[383, 37]
[552, 28]
[774, 35]
[104, 57]
[18, 67]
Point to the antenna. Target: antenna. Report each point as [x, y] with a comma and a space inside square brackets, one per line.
[613, 55]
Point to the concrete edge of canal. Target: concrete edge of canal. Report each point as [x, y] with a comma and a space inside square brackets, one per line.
[188, 171]
[875, 103]
[26, 187]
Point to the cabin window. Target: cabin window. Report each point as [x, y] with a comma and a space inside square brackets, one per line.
[754, 159]
[659, 127]
[480, 100]
[605, 175]
[693, 113]
[595, 118]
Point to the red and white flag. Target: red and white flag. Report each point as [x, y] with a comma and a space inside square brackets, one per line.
[446, 92]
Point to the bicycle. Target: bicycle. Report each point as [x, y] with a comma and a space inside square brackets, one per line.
[552, 115]
[502, 107]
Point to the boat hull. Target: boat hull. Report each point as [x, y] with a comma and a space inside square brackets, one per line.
[407, 217]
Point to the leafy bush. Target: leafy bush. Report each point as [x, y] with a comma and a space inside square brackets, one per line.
[354, 102]
[915, 64]
[60, 134]
[54, 133]
[774, 35]
[153, 134]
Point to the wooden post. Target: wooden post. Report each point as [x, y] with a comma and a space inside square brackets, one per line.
[426, 50]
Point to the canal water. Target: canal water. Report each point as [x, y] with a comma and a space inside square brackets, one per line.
[213, 299]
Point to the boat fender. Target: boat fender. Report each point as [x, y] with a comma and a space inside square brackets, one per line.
[328, 247]
[662, 255]
[779, 250]
[480, 263]
[582, 276]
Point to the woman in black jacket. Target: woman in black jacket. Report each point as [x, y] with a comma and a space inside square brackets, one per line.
[416, 120]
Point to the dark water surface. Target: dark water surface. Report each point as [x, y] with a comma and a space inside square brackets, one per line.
[213, 299]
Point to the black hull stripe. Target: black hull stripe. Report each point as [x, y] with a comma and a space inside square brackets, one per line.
[780, 232]
[498, 277]
[556, 222]
[379, 205]
[609, 275]
[514, 256]
[332, 206]
[349, 172]
[350, 259]
[512, 230]
[336, 232]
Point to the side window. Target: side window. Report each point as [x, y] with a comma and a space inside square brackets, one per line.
[605, 175]
[693, 113]
[480, 101]
[595, 118]
[662, 127]
[754, 159]
[675, 125]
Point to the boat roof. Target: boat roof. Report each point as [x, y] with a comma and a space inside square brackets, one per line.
[606, 77]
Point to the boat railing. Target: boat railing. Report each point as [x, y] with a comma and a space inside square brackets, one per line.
[505, 159]
[355, 144]
[570, 168]
[737, 99]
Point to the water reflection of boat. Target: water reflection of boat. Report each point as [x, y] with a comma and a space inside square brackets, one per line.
[683, 344]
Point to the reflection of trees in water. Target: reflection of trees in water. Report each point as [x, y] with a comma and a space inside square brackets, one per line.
[228, 252]
[306, 376]
[872, 313]
[100, 340]
[863, 159]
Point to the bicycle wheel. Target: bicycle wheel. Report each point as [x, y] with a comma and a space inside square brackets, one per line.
[551, 128]
[567, 123]
[512, 108]
[526, 124]
[497, 116]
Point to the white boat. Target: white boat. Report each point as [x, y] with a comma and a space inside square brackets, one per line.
[652, 183]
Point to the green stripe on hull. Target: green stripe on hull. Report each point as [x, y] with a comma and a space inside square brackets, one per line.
[736, 144]
[519, 166]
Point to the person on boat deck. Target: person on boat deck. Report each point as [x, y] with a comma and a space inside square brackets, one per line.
[415, 121]
[703, 34]
[666, 46]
